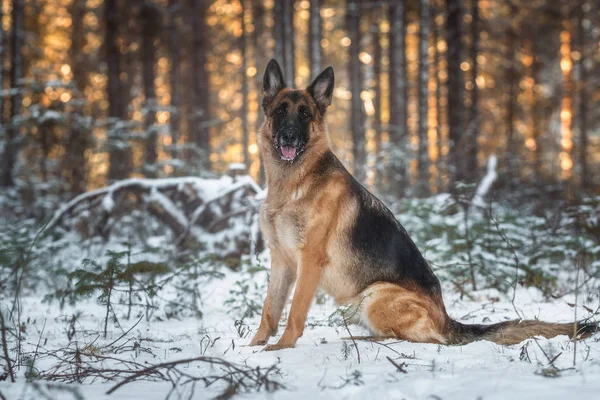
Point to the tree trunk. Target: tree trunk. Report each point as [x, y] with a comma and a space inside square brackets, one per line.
[16, 74]
[2, 127]
[377, 104]
[474, 125]
[455, 91]
[438, 103]
[512, 82]
[283, 33]
[536, 112]
[119, 148]
[278, 34]
[244, 108]
[200, 112]
[398, 128]
[260, 58]
[130, 55]
[583, 101]
[150, 25]
[354, 72]
[423, 85]
[79, 140]
[314, 38]
[260, 51]
[174, 52]
[288, 41]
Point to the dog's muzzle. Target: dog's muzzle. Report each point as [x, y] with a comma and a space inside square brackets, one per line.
[288, 143]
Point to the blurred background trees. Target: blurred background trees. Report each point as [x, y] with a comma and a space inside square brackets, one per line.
[95, 91]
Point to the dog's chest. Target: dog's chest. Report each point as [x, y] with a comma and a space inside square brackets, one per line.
[283, 227]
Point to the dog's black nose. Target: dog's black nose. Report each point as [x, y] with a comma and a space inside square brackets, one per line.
[288, 136]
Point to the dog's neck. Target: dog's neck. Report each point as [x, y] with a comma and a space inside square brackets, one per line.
[281, 174]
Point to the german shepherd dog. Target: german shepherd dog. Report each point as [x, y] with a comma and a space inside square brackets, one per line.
[324, 229]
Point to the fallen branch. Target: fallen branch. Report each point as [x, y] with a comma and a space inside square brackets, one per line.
[191, 209]
[76, 365]
[399, 367]
[237, 377]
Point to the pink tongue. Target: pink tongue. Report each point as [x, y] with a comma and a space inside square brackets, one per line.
[288, 151]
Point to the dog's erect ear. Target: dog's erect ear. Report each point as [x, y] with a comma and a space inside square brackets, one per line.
[321, 89]
[273, 82]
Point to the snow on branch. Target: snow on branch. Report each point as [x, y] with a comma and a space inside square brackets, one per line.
[216, 213]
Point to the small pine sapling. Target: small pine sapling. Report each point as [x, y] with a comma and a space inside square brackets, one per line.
[93, 278]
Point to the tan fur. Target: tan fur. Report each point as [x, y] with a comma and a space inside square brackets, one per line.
[305, 227]
[307, 224]
[391, 310]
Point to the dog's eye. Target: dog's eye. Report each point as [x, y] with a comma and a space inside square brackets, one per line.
[304, 114]
[281, 110]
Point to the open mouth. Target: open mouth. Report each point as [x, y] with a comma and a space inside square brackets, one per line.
[288, 153]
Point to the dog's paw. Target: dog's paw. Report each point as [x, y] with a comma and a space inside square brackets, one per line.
[277, 346]
[258, 342]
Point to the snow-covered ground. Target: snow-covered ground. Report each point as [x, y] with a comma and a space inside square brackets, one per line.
[323, 365]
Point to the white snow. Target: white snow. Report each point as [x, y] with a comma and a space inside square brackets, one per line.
[318, 369]
[208, 190]
[323, 365]
[168, 206]
[108, 202]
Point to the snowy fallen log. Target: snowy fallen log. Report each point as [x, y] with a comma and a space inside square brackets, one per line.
[214, 214]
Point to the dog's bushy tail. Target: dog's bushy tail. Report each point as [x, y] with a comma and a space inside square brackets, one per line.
[513, 332]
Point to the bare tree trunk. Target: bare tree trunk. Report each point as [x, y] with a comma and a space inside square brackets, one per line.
[2, 127]
[150, 19]
[511, 80]
[130, 58]
[398, 128]
[583, 100]
[174, 44]
[279, 34]
[283, 33]
[78, 42]
[536, 111]
[377, 104]
[200, 113]
[354, 72]
[474, 125]
[260, 57]
[79, 140]
[288, 49]
[244, 108]
[11, 148]
[260, 50]
[314, 38]
[438, 103]
[423, 85]
[455, 91]
[119, 149]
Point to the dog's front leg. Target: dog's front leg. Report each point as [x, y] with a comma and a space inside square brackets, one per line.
[281, 280]
[313, 259]
[309, 276]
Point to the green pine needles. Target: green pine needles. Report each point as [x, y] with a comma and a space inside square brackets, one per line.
[117, 275]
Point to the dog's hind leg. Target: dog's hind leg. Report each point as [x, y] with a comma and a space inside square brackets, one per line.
[280, 284]
[389, 310]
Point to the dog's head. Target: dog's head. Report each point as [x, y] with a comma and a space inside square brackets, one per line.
[295, 118]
